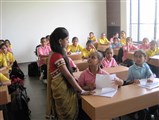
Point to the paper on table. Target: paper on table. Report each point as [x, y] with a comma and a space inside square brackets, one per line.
[103, 81]
[104, 85]
[150, 85]
[107, 92]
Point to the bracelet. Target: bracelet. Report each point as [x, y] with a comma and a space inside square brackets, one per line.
[83, 91]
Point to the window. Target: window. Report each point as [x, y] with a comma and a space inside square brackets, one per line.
[144, 19]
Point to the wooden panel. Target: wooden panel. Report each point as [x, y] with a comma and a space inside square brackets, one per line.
[4, 96]
[120, 71]
[81, 64]
[154, 60]
[130, 55]
[102, 48]
[75, 56]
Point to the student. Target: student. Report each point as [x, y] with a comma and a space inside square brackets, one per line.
[75, 47]
[154, 50]
[62, 88]
[115, 35]
[109, 61]
[8, 44]
[115, 43]
[145, 44]
[140, 70]
[89, 48]
[103, 40]
[87, 77]
[7, 55]
[123, 37]
[93, 38]
[43, 52]
[128, 47]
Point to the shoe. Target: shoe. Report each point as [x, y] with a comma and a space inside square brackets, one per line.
[41, 76]
[45, 81]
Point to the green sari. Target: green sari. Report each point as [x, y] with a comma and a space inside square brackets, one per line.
[62, 101]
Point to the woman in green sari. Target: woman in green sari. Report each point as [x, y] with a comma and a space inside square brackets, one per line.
[62, 88]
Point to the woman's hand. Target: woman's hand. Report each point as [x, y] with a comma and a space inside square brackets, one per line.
[87, 92]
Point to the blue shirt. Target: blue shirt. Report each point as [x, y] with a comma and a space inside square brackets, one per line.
[112, 45]
[139, 72]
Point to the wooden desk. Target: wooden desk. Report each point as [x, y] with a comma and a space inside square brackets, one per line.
[154, 60]
[128, 99]
[1, 115]
[120, 71]
[130, 55]
[75, 56]
[81, 64]
[4, 95]
[102, 48]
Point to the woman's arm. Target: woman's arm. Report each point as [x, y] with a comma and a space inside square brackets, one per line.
[70, 78]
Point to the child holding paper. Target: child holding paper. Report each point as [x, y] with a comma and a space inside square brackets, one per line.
[140, 70]
[88, 76]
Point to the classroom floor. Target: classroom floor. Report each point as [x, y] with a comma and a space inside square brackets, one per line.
[37, 92]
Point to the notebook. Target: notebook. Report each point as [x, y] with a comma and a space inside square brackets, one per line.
[149, 85]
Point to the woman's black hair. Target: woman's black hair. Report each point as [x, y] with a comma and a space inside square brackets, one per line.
[56, 35]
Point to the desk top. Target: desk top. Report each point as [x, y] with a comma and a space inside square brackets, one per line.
[127, 99]
[4, 95]
[77, 56]
[154, 60]
[116, 69]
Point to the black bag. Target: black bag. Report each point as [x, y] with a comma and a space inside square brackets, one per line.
[18, 108]
[17, 72]
[33, 69]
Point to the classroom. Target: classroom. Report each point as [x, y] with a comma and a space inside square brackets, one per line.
[79, 59]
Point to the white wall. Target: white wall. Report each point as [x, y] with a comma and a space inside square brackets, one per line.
[25, 22]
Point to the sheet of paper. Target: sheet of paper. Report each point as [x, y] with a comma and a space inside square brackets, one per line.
[103, 81]
[107, 92]
[150, 85]
[104, 85]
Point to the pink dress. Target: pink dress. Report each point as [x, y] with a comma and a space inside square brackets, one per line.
[109, 63]
[87, 77]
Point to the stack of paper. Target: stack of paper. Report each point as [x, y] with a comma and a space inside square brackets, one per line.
[104, 85]
[149, 85]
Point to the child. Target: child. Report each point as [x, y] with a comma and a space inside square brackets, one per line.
[128, 47]
[115, 35]
[140, 70]
[154, 50]
[87, 77]
[89, 48]
[145, 44]
[43, 52]
[103, 40]
[8, 56]
[123, 37]
[115, 43]
[75, 47]
[109, 61]
[93, 38]
[8, 44]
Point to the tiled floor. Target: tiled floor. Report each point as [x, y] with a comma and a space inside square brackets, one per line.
[37, 92]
